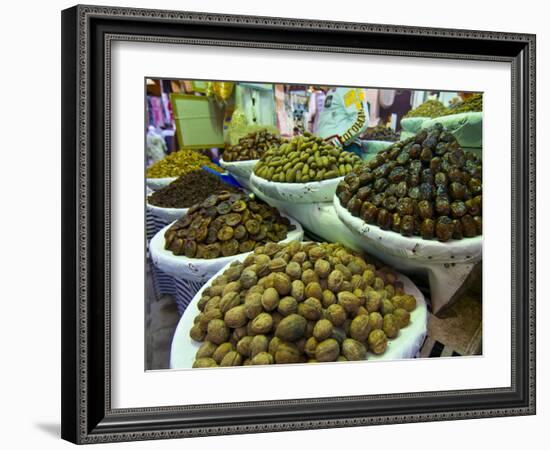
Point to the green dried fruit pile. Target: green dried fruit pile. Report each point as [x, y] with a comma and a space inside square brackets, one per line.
[471, 104]
[251, 146]
[425, 186]
[179, 163]
[303, 159]
[191, 188]
[225, 224]
[430, 108]
[297, 303]
[381, 133]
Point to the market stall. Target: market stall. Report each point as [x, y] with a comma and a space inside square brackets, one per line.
[405, 205]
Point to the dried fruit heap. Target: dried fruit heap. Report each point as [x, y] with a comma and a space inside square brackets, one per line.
[225, 224]
[430, 108]
[180, 163]
[191, 188]
[473, 103]
[381, 133]
[426, 185]
[251, 146]
[298, 303]
[303, 159]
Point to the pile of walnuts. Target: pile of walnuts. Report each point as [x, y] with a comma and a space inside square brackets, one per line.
[297, 303]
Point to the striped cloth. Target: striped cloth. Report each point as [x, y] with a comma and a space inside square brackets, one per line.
[182, 290]
[162, 283]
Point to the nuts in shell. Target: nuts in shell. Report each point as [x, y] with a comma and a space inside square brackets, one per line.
[322, 330]
[360, 328]
[328, 350]
[261, 324]
[291, 328]
[354, 350]
[221, 351]
[377, 341]
[270, 299]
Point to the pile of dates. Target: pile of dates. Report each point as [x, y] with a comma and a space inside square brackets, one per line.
[225, 224]
[304, 159]
[251, 146]
[424, 186]
[380, 133]
[297, 303]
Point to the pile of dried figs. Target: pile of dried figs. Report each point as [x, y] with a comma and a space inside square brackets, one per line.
[425, 186]
[251, 146]
[303, 159]
[226, 224]
[296, 303]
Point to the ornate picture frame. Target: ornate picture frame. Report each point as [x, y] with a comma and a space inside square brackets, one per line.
[87, 35]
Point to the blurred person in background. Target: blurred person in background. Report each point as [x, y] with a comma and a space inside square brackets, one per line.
[344, 117]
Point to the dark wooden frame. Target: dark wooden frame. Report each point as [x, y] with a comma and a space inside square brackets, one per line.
[87, 32]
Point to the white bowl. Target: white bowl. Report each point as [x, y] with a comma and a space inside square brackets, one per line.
[414, 249]
[157, 183]
[167, 214]
[240, 170]
[195, 269]
[312, 192]
[406, 345]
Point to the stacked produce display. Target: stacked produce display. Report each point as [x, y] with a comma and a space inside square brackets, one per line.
[179, 163]
[304, 159]
[381, 133]
[251, 146]
[299, 302]
[190, 188]
[225, 224]
[425, 186]
[430, 108]
[474, 103]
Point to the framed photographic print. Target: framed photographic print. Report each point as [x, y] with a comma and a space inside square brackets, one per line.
[280, 224]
